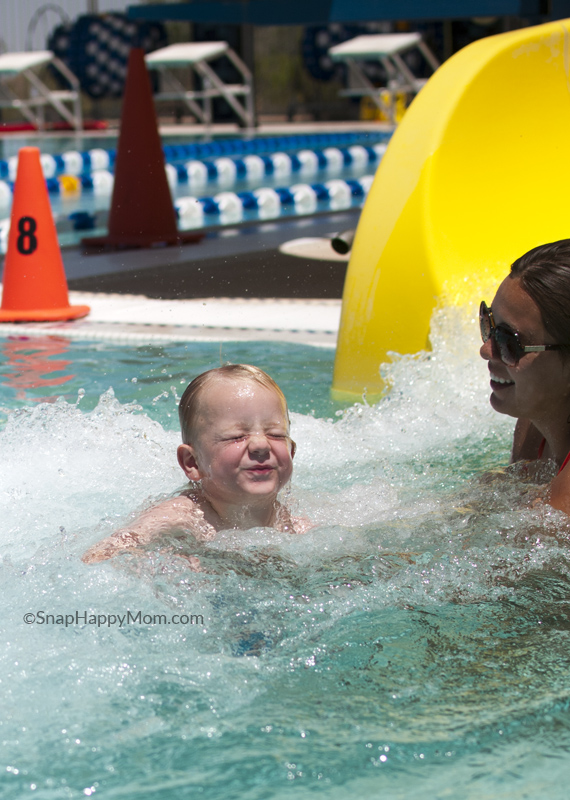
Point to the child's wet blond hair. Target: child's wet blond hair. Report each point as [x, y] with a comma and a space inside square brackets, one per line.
[189, 407]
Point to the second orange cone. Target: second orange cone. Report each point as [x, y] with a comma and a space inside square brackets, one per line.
[34, 283]
[142, 213]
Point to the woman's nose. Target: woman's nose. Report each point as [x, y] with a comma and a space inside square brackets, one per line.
[486, 350]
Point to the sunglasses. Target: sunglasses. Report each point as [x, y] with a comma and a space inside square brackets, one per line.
[508, 344]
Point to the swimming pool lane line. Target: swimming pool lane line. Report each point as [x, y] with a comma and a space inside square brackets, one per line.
[227, 208]
[223, 208]
[75, 162]
[198, 174]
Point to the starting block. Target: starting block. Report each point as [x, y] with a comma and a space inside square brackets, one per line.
[387, 48]
[40, 95]
[196, 55]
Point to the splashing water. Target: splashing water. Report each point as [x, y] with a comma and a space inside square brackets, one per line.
[414, 643]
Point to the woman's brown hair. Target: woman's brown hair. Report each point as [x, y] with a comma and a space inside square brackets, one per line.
[544, 274]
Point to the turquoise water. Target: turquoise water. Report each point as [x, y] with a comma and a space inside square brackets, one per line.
[43, 368]
[413, 644]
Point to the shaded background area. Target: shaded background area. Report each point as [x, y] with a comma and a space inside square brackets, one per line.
[283, 42]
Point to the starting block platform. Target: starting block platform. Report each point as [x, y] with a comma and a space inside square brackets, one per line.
[33, 107]
[387, 48]
[197, 56]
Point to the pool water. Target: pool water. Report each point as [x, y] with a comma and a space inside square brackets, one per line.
[42, 368]
[413, 644]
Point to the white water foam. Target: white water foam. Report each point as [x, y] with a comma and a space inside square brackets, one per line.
[409, 618]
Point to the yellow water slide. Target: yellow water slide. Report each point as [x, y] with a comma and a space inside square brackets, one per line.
[477, 173]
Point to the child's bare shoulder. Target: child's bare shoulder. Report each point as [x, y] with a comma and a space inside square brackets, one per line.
[302, 524]
[287, 523]
[183, 512]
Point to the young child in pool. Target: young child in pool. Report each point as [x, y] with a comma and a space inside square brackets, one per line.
[236, 452]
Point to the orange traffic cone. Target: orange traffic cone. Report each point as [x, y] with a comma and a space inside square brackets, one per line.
[35, 288]
[142, 213]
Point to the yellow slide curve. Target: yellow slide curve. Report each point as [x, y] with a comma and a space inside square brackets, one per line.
[477, 173]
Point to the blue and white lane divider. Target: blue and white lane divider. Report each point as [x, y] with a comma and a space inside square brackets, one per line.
[267, 203]
[225, 171]
[70, 163]
[75, 162]
[226, 208]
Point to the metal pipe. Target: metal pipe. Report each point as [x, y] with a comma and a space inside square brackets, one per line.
[342, 242]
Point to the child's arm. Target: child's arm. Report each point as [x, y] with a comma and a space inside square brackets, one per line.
[179, 512]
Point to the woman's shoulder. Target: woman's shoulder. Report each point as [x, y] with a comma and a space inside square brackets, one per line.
[559, 494]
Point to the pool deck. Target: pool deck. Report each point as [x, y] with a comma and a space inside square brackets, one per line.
[136, 318]
[237, 284]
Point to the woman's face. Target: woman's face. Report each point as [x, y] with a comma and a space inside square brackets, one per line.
[538, 387]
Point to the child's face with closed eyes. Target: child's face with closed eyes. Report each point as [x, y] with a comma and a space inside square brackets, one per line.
[241, 451]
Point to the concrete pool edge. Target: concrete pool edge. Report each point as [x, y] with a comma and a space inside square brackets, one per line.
[136, 318]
